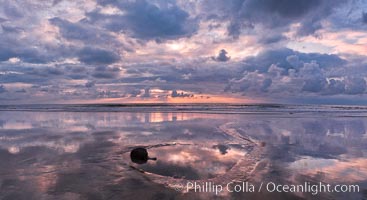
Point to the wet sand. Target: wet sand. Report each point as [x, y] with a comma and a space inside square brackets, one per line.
[85, 155]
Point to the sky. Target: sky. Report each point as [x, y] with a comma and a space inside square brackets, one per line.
[183, 51]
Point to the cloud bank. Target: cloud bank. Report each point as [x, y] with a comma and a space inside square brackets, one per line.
[282, 51]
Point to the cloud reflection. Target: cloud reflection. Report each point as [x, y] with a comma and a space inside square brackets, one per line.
[79, 155]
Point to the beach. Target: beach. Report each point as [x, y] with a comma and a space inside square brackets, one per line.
[202, 151]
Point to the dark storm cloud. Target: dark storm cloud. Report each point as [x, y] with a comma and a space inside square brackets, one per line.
[27, 55]
[90, 84]
[85, 32]
[314, 84]
[266, 84]
[355, 85]
[44, 44]
[17, 42]
[11, 29]
[288, 59]
[261, 75]
[2, 89]
[198, 72]
[176, 94]
[222, 56]
[284, 8]
[145, 20]
[335, 87]
[271, 39]
[11, 47]
[306, 73]
[96, 56]
[198, 77]
[104, 72]
[73, 31]
[364, 17]
[276, 15]
[39, 76]
[18, 22]
[32, 55]
[5, 54]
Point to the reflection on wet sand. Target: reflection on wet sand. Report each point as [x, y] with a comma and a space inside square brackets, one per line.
[355, 168]
[60, 155]
[192, 162]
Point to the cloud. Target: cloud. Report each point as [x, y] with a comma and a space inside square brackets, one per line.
[294, 61]
[144, 20]
[335, 87]
[364, 17]
[2, 89]
[271, 39]
[153, 48]
[86, 33]
[222, 56]
[11, 10]
[289, 59]
[134, 92]
[274, 15]
[285, 8]
[355, 85]
[314, 85]
[176, 94]
[276, 72]
[146, 93]
[283, 71]
[90, 84]
[11, 29]
[20, 33]
[11, 47]
[266, 83]
[74, 31]
[104, 72]
[96, 56]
